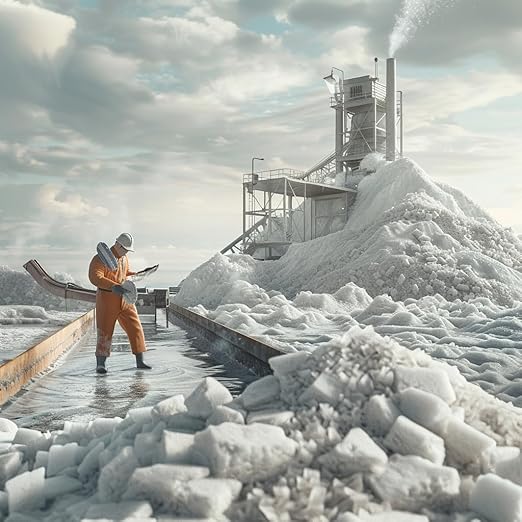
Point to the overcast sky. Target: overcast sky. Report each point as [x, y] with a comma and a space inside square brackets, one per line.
[142, 115]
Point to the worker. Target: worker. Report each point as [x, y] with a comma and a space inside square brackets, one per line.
[112, 307]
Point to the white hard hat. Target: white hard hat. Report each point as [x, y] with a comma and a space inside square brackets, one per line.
[126, 241]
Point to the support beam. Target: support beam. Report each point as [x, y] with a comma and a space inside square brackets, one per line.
[391, 110]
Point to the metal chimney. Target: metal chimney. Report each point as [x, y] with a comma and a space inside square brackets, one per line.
[391, 110]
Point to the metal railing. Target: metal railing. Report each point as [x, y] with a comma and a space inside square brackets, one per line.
[241, 244]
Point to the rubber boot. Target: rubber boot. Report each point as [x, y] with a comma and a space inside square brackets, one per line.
[140, 363]
[100, 364]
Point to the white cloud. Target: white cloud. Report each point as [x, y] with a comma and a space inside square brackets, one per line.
[39, 31]
[69, 205]
[353, 38]
[437, 98]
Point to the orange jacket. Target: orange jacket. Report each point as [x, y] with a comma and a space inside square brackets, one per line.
[104, 278]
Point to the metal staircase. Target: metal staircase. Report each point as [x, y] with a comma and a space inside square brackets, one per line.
[245, 243]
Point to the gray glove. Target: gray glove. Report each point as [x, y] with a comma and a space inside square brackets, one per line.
[118, 289]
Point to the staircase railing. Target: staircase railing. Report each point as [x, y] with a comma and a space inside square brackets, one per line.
[246, 240]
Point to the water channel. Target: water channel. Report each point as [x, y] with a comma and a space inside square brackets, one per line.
[73, 391]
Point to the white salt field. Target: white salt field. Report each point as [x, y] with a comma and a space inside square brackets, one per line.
[352, 425]
[23, 326]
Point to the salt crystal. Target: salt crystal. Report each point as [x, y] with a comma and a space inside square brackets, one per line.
[25, 492]
[431, 380]
[425, 408]
[465, 444]
[379, 415]
[409, 438]
[176, 447]
[207, 395]
[262, 391]
[497, 499]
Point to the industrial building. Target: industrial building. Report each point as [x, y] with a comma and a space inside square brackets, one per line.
[284, 206]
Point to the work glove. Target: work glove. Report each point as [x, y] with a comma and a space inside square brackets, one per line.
[118, 289]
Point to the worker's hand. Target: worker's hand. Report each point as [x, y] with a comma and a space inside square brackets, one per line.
[118, 289]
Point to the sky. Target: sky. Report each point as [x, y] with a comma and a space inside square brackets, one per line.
[142, 116]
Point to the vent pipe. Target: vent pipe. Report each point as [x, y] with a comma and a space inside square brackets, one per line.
[391, 110]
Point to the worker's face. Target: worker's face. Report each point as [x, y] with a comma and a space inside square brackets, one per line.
[120, 250]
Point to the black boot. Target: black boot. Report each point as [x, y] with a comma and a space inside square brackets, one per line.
[140, 363]
[100, 364]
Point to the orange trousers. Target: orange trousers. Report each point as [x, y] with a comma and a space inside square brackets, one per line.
[111, 307]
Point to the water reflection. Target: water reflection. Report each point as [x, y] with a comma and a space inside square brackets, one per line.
[73, 391]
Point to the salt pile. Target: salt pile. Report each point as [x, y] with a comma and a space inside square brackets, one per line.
[417, 260]
[19, 288]
[361, 429]
[351, 426]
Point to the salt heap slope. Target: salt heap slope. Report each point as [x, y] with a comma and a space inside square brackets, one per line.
[417, 261]
[360, 430]
[19, 288]
[406, 237]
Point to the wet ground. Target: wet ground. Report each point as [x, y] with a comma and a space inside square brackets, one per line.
[73, 391]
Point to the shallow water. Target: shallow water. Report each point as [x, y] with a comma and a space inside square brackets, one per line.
[73, 391]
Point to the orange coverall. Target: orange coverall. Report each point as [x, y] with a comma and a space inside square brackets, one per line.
[111, 307]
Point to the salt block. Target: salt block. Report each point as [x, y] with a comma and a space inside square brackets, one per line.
[10, 464]
[140, 415]
[274, 417]
[185, 422]
[497, 499]
[146, 448]
[113, 478]
[90, 462]
[210, 497]
[326, 388]
[287, 363]
[225, 414]
[76, 431]
[261, 392]
[167, 407]
[41, 459]
[410, 483]
[409, 438]
[425, 409]
[251, 452]
[395, 516]
[357, 452]
[465, 444]
[508, 465]
[205, 397]
[380, 413]
[431, 380]
[25, 492]
[61, 457]
[26, 435]
[138, 509]
[176, 447]
[55, 487]
[162, 484]
[7, 426]
[101, 426]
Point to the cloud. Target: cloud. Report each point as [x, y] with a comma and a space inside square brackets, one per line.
[149, 112]
[54, 200]
[33, 30]
[440, 97]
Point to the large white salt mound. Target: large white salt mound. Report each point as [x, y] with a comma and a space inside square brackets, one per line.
[392, 182]
[406, 236]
